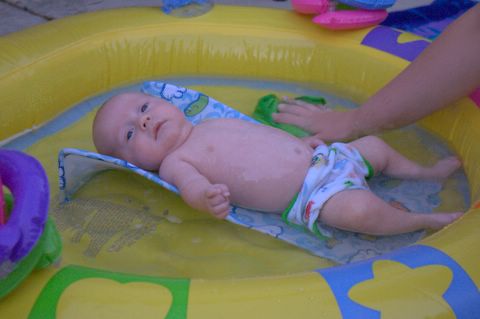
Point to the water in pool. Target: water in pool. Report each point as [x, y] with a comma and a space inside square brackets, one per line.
[122, 222]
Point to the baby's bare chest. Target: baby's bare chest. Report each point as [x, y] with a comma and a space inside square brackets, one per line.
[233, 149]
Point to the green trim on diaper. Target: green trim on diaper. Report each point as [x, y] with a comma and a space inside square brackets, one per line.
[316, 230]
[287, 210]
[371, 171]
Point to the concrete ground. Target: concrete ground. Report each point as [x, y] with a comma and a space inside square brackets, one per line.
[16, 15]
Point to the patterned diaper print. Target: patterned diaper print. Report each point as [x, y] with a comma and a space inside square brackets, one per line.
[333, 169]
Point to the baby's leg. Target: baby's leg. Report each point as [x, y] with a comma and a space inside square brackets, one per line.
[362, 211]
[387, 160]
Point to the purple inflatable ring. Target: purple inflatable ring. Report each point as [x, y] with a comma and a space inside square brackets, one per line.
[26, 179]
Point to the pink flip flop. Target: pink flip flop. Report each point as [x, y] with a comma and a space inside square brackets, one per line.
[350, 19]
[310, 6]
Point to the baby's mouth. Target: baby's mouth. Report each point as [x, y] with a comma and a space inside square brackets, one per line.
[156, 129]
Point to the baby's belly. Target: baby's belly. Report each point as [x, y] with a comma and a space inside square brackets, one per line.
[263, 167]
[269, 195]
[262, 184]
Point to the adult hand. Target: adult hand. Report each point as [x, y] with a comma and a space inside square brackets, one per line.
[320, 120]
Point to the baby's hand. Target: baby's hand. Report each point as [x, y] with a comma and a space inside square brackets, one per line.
[217, 200]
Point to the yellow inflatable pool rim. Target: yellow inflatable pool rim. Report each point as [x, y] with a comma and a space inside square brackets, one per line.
[47, 69]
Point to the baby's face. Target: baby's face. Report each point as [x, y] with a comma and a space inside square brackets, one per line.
[139, 128]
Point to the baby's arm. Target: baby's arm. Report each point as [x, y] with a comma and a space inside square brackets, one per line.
[195, 189]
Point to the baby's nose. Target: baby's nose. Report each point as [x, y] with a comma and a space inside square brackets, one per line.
[144, 121]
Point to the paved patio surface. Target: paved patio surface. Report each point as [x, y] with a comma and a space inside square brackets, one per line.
[16, 15]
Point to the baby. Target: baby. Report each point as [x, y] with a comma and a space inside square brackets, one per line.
[224, 161]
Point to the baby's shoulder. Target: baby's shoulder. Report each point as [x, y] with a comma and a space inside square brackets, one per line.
[222, 123]
[169, 165]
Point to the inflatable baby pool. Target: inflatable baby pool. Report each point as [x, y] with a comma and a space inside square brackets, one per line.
[47, 69]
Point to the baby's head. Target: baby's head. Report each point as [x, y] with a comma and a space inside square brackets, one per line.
[139, 128]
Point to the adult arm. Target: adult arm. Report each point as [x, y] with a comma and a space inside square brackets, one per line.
[447, 70]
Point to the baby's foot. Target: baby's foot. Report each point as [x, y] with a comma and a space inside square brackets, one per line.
[437, 221]
[444, 168]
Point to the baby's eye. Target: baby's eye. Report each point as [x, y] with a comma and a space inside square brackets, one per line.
[129, 135]
[144, 107]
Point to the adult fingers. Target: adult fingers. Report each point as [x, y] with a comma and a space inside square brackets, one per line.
[293, 119]
[292, 109]
[305, 105]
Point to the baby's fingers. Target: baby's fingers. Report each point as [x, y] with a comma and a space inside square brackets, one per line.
[219, 206]
[222, 210]
[218, 203]
[218, 189]
[217, 200]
